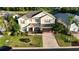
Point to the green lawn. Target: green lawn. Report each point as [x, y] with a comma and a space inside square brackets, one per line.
[65, 40]
[35, 41]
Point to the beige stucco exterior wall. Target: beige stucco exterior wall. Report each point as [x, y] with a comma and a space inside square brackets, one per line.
[47, 20]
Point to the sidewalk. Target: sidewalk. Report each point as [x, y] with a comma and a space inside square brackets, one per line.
[49, 40]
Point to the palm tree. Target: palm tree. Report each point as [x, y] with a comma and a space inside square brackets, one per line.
[70, 20]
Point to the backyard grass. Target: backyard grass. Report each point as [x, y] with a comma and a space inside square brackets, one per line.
[65, 40]
[14, 41]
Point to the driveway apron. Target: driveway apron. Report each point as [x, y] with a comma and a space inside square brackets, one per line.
[49, 40]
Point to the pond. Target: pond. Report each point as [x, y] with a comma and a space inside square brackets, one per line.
[64, 16]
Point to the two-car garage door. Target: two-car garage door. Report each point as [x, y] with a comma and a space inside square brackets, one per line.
[47, 29]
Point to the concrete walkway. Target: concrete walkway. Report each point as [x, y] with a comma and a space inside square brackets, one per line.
[49, 40]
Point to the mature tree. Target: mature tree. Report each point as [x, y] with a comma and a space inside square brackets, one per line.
[14, 25]
[70, 19]
[58, 27]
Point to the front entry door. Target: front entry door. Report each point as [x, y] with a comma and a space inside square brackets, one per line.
[30, 29]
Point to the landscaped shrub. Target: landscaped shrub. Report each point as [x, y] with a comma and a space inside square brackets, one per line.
[26, 34]
[7, 33]
[66, 39]
[26, 40]
[23, 33]
[60, 28]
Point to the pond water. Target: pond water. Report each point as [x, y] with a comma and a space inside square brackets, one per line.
[64, 16]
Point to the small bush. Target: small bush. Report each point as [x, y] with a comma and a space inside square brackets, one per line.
[23, 33]
[67, 40]
[60, 28]
[7, 33]
[26, 40]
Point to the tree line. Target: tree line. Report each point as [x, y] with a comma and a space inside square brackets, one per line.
[24, 8]
[49, 9]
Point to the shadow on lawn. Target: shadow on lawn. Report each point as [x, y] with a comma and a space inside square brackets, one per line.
[5, 48]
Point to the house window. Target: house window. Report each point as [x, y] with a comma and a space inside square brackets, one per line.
[47, 21]
[37, 19]
[24, 29]
[22, 21]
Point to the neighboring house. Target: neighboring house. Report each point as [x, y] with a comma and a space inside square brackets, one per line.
[35, 21]
[77, 19]
[74, 28]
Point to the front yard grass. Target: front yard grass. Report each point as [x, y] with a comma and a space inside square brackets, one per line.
[65, 40]
[14, 41]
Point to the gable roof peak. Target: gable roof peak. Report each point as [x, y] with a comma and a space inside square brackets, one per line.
[32, 13]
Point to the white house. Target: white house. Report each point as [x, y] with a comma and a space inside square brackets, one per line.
[74, 27]
[36, 21]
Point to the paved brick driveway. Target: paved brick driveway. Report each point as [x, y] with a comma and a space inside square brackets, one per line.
[49, 40]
